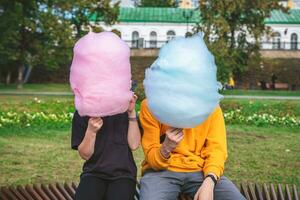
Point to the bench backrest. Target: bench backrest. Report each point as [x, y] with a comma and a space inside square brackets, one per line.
[66, 191]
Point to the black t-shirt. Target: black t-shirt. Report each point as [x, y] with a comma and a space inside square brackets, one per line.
[112, 158]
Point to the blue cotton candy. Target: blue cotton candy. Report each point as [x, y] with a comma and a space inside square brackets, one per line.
[181, 85]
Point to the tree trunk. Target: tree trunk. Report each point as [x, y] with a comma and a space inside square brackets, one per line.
[20, 76]
[8, 78]
[27, 74]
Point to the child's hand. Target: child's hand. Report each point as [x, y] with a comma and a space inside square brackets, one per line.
[131, 106]
[95, 123]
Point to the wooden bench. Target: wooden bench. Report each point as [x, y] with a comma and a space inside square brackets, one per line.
[278, 86]
[66, 191]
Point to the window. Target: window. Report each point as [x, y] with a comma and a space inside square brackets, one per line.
[294, 41]
[170, 35]
[135, 39]
[276, 41]
[153, 39]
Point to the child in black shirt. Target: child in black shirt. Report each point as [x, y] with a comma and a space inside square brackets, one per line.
[106, 143]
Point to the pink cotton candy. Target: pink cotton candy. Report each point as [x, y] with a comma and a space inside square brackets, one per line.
[100, 75]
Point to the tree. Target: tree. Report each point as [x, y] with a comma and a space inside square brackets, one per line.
[40, 32]
[80, 13]
[32, 35]
[233, 29]
[157, 3]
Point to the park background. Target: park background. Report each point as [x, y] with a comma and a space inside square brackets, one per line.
[36, 103]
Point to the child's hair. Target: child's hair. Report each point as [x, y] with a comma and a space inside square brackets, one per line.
[117, 32]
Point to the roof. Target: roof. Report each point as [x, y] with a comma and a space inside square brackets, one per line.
[179, 15]
[278, 17]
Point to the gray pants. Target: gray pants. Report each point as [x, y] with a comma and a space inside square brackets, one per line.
[166, 185]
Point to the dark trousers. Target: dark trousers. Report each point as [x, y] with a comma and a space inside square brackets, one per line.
[94, 188]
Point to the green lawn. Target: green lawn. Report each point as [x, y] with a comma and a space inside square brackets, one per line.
[43, 156]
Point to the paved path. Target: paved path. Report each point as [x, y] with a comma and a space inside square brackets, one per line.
[226, 96]
[262, 97]
[36, 93]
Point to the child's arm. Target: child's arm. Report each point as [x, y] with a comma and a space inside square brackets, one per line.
[87, 146]
[134, 135]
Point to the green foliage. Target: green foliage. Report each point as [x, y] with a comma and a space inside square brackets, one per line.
[228, 25]
[54, 113]
[32, 35]
[157, 3]
[79, 12]
[40, 33]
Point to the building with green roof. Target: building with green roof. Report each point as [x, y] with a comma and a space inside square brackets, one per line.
[152, 27]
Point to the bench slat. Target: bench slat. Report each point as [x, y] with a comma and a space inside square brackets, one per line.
[41, 192]
[48, 192]
[244, 191]
[8, 194]
[252, 191]
[70, 190]
[74, 186]
[288, 193]
[63, 191]
[266, 192]
[33, 193]
[2, 195]
[280, 192]
[258, 193]
[295, 191]
[24, 192]
[273, 192]
[56, 192]
[17, 193]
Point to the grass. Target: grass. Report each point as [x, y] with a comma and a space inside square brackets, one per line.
[44, 156]
[41, 155]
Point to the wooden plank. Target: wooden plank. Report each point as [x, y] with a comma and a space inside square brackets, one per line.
[74, 186]
[280, 192]
[258, 192]
[70, 190]
[17, 193]
[273, 192]
[25, 193]
[288, 195]
[252, 191]
[266, 192]
[56, 192]
[41, 192]
[244, 191]
[49, 193]
[137, 192]
[295, 191]
[63, 191]
[33, 193]
[7, 193]
[2, 194]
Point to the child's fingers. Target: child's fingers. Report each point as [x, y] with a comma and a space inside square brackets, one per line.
[180, 134]
[179, 139]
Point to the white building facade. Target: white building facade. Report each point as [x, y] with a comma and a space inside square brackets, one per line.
[153, 27]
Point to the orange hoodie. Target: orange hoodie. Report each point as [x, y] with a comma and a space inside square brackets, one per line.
[203, 148]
